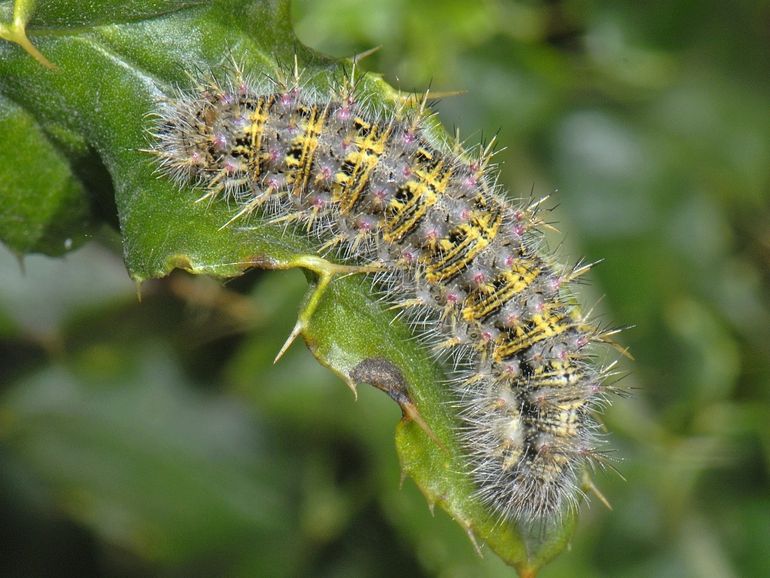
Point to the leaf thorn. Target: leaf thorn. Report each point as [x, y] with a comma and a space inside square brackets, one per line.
[298, 327]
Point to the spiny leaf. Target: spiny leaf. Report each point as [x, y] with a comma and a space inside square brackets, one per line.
[114, 62]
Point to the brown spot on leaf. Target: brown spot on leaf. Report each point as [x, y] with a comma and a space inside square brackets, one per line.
[385, 376]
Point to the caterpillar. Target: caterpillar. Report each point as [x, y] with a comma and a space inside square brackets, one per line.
[444, 245]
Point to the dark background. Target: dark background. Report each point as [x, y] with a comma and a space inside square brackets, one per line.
[157, 438]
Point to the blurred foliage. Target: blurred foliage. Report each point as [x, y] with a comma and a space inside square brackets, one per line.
[156, 438]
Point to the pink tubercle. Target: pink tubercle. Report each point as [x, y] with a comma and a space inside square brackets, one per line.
[325, 174]
[431, 234]
[487, 336]
[408, 255]
[555, 282]
[231, 166]
[453, 297]
[364, 224]
[511, 320]
[219, 141]
[343, 113]
[288, 98]
[511, 369]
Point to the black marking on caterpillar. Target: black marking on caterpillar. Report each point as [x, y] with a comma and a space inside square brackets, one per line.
[462, 262]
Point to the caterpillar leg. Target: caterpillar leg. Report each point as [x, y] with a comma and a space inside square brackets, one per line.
[16, 31]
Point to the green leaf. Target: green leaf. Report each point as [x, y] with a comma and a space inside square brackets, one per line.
[46, 208]
[114, 62]
[118, 434]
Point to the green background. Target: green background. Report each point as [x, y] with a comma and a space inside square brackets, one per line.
[156, 438]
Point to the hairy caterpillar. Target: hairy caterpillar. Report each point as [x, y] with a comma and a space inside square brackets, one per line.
[448, 248]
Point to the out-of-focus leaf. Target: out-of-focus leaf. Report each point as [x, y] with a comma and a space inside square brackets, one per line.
[44, 207]
[126, 448]
[26, 286]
